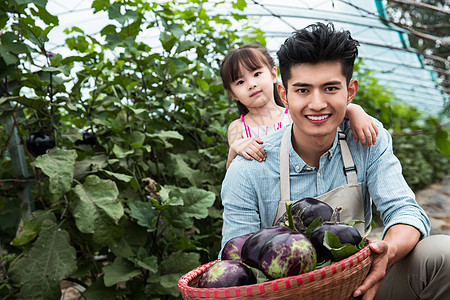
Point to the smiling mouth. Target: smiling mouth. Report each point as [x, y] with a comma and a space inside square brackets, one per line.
[255, 93]
[318, 118]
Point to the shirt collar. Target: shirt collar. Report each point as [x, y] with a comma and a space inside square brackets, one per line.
[297, 163]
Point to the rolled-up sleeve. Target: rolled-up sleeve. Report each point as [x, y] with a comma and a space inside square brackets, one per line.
[389, 190]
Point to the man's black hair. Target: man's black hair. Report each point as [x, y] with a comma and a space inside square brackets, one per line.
[318, 43]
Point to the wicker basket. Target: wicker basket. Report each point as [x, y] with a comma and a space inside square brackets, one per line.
[337, 281]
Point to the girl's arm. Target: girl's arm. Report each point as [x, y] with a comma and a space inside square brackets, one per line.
[249, 148]
[362, 125]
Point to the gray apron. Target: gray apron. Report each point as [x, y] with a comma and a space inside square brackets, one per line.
[349, 196]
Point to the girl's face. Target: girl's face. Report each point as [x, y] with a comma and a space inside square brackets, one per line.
[254, 89]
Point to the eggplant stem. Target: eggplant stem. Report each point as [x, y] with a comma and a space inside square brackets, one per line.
[289, 214]
[336, 216]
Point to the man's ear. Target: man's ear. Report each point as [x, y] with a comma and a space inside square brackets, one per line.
[283, 94]
[352, 88]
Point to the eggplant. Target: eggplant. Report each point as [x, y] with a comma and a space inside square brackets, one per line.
[305, 211]
[226, 273]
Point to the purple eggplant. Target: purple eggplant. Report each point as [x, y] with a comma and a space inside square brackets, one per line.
[226, 273]
[345, 233]
[305, 211]
[232, 249]
[252, 246]
[287, 254]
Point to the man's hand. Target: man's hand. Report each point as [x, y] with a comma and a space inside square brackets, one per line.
[369, 287]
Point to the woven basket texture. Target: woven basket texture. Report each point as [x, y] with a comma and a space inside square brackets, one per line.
[337, 281]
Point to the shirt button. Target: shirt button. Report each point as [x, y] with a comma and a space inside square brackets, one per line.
[297, 168]
[331, 155]
[318, 174]
[308, 169]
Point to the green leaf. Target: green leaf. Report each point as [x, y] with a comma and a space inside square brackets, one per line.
[202, 84]
[45, 16]
[165, 135]
[259, 275]
[96, 209]
[98, 291]
[10, 213]
[119, 152]
[145, 261]
[122, 177]
[144, 213]
[119, 271]
[20, 2]
[50, 260]
[30, 228]
[59, 166]
[137, 137]
[8, 58]
[196, 203]
[239, 4]
[171, 269]
[186, 45]
[289, 213]
[28, 102]
[181, 169]
[149, 263]
[166, 284]
[133, 239]
[176, 30]
[442, 138]
[317, 221]
[363, 242]
[339, 251]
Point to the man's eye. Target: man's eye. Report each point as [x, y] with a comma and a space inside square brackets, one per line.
[331, 88]
[302, 91]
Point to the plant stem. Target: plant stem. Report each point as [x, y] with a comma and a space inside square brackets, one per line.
[290, 219]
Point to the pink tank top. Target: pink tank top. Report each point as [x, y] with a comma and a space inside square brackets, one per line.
[260, 131]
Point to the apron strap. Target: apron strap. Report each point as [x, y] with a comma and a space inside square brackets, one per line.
[284, 167]
[349, 166]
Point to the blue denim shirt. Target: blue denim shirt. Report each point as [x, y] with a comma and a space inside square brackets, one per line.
[251, 189]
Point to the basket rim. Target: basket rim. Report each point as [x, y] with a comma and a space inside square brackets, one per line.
[301, 279]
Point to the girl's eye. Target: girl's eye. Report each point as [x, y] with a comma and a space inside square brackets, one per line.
[257, 74]
[239, 82]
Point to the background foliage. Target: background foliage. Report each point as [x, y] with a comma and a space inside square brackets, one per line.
[129, 215]
[428, 30]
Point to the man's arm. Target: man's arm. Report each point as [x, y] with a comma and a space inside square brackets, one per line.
[399, 240]
[388, 188]
[240, 201]
[405, 221]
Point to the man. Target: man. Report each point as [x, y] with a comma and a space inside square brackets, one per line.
[317, 157]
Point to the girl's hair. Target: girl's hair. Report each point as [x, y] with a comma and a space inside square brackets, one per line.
[251, 57]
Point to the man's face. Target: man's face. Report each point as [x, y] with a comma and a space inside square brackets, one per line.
[317, 96]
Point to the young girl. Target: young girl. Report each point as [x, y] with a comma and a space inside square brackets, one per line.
[249, 76]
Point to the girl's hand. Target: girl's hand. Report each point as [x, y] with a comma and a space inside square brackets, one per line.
[362, 125]
[365, 132]
[249, 148]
